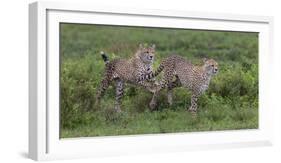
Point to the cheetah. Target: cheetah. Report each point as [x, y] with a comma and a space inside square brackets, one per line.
[194, 78]
[130, 71]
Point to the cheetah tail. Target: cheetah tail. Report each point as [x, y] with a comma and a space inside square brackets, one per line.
[152, 75]
[157, 72]
[104, 57]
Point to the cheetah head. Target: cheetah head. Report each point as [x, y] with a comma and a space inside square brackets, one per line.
[146, 54]
[210, 66]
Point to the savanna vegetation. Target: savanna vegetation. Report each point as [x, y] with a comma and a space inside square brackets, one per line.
[231, 102]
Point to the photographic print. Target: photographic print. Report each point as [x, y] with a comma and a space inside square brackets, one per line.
[126, 80]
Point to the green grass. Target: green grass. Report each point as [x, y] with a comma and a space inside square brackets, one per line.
[231, 102]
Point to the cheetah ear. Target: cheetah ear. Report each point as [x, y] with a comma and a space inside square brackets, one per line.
[153, 46]
[204, 60]
[140, 45]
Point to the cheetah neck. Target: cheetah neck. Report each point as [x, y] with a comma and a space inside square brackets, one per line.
[205, 74]
[135, 59]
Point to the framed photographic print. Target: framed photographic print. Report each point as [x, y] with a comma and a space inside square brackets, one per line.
[110, 81]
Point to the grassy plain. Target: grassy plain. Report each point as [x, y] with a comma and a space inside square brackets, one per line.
[230, 103]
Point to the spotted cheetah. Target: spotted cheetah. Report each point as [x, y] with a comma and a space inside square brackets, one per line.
[127, 71]
[194, 78]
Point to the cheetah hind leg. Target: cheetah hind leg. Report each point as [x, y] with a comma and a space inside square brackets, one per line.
[104, 85]
[119, 95]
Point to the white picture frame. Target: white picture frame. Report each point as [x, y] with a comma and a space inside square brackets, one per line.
[44, 141]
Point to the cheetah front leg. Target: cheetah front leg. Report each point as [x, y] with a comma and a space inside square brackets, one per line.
[170, 96]
[150, 86]
[193, 108]
[153, 101]
[171, 86]
[119, 94]
[168, 77]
